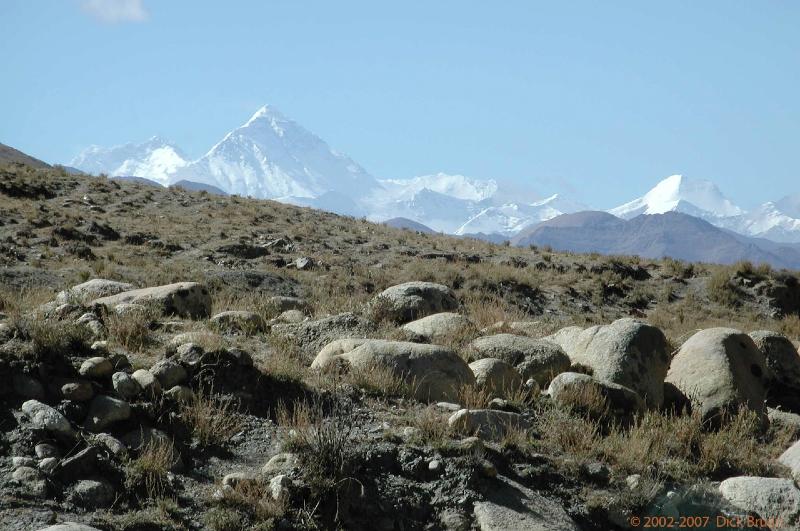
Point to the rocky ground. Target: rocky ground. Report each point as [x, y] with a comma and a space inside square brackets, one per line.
[174, 360]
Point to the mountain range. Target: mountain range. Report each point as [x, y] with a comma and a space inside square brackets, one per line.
[270, 156]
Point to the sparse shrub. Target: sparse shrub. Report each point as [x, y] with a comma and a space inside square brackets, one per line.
[381, 310]
[722, 290]
[432, 425]
[53, 338]
[379, 381]
[211, 420]
[147, 473]
[132, 329]
[285, 359]
[248, 504]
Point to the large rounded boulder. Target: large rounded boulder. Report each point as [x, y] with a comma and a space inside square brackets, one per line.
[583, 392]
[720, 370]
[185, 299]
[627, 352]
[436, 327]
[783, 362]
[434, 373]
[413, 300]
[496, 376]
[534, 358]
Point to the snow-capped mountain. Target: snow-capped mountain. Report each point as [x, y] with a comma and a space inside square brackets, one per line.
[271, 156]
[778, 221]
[679, 194]
[155, 159]
[510, 218]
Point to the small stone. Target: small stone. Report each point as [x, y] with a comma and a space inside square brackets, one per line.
[70, 526]
[237, 478]
[633, 481]
[472, 445]
[82, 464]
[112, 444]
[304, 263]
[27, 387]
[48, 464]
[448, 406]
[291, 316]
[168, 373]
[190, 355]
[101, 347]
[435, 465]
[104, 411]
[180, 393]
[149, 384]
[597, 472]
[77, 390]
[125, 386]
[97, 367]
[488, 469]
[46, 450]
[410, 432]
[93, 493]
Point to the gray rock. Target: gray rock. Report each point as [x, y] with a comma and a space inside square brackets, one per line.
[92, 289]
[775, 499]
[112, 444]
[282, 463]
[149, 384]
[568, 388]
[185, 299]
[93, 493]
[496, 377]
[791, 459]
[238, 478]
[18, 461]
[627, 352]
[80, 465]
[334, 349]
[168, 373]
[125, 385]
[48, 464]
[784, 420]
[291, 316]
[304, 263]
[69, 526]
[436, 327]
[77, 390]
[435, 373]
[43, 450]
[238, 320]
[27, 387]
[104, 411]
[719, 370]
[30, 480]
[280, 486]
[487, 423]
[46, 418]
[312, 336]
[180, 393]
[414, 300]
[510, 506]
[783, 362]
[97, 367]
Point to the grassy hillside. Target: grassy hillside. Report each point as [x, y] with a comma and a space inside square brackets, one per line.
[367, 452]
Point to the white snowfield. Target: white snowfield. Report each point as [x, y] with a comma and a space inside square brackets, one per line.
[273, 157]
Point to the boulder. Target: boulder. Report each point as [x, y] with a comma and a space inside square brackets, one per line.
[719, 370]
[626, 352]
[185, 299]
[435, 373]
[282, 463]
[333, 349]
[534, 358]
[238, 320]
[92, 289]
[46, 418]
[311, 336]
[572, 389]
[104, 411]
[69, 526]
[291, 316]
[783, 362]
[784, 420]
[125, 385]
[93, 493]
[487, 423]
[282, 304]
[791, 459]
[436, 327]
[97, 367]
[496, 376]
[510, 506]
[413, 300]
[775, 499]
[76, 390]
[149, 383]
[168, 373]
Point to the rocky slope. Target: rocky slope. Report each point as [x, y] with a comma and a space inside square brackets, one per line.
[177, 360]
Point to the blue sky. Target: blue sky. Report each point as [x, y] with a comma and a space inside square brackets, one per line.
[596, 100]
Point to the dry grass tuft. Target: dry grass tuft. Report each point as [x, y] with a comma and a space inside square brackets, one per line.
[132, 329]
[148, 472]
[212, 420]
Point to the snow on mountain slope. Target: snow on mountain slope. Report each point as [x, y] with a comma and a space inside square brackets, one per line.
[456, 186]
[272, 156]
[679, 194]
[156, 159]
[510, 218]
